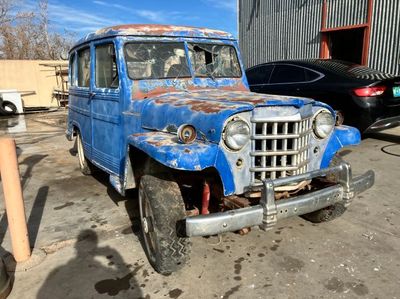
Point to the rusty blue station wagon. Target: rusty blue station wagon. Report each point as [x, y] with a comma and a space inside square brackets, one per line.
[167, 110]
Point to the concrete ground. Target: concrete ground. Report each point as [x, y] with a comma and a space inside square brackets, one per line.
[90, 235]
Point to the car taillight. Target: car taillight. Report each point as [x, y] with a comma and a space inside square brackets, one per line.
[372, 91]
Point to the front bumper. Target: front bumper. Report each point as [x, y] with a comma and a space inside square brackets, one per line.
[384, 123]
[268, 212]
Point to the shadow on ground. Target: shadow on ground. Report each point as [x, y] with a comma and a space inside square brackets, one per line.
[392, 149]
[103, 266]
[130, 202]
[393, 138]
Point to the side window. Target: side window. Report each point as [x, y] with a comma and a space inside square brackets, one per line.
[259, 75]
[311, 75]
[288, 74]
[106, 67]
[84, 67]
[72, 69]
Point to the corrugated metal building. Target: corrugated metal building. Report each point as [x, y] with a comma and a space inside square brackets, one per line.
[361, 31]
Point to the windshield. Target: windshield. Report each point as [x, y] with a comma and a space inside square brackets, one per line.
[214, 61]
[156, 60]
[169, 60]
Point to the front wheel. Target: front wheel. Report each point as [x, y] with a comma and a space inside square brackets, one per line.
[334, 211]
[162, 212]
[327, 214]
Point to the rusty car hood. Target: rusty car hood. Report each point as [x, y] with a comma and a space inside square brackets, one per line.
[206, 110]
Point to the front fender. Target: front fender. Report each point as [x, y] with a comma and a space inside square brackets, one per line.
[167, 150]
[342, 136]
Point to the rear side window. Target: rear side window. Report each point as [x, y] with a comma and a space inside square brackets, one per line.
[106, 67]
[84, 67]
[288, 74]
[311, 75]
[259, 75]
[72, 70]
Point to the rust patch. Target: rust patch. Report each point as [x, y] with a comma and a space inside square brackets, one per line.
[210, 100]
[156, 143]
[160, 142]
[203, 106]
[160, 30]
[138, 94]
[155, 139]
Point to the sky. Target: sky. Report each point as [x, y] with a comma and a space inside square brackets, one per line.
[85, 16]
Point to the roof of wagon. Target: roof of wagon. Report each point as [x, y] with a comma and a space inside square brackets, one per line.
[157, 30]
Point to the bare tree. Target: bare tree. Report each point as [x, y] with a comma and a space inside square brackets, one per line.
[28, 34]
[5, 8]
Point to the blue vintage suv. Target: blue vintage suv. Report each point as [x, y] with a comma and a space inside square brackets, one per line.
[167, 110]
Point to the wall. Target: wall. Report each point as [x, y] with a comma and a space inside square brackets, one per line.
[385, 36]
[275, 30]
[290, 29]
[346, 12]
[30, 76]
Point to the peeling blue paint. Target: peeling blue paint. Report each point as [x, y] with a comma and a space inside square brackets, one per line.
[154, 30]
[207, 110]
[146, 113]
[197, 156]
[342, 136]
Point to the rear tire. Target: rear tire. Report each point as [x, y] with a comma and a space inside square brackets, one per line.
[84, 164]
[332, 212]
[162, 212]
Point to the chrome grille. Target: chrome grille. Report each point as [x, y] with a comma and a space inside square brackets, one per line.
[279, 148]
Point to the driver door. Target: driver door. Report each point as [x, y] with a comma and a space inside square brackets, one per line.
[106, 109]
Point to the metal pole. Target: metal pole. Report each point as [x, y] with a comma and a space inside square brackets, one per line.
[14, 200]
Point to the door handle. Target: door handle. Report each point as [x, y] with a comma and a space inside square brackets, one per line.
[91, 95]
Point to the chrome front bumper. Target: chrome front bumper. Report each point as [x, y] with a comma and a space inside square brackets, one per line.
[268, 212]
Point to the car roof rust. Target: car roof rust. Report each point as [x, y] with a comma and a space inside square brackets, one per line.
[156, 30]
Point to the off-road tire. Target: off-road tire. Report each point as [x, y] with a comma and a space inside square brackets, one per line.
[326, 214]
[161, 205]
[6, 104]
[332, 212]
[84, 164]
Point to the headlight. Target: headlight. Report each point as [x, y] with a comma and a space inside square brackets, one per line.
[323, 124]
[236, 134]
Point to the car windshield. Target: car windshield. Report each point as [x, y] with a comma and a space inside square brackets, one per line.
[169, 60]
[216, 61]
[156, 60]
